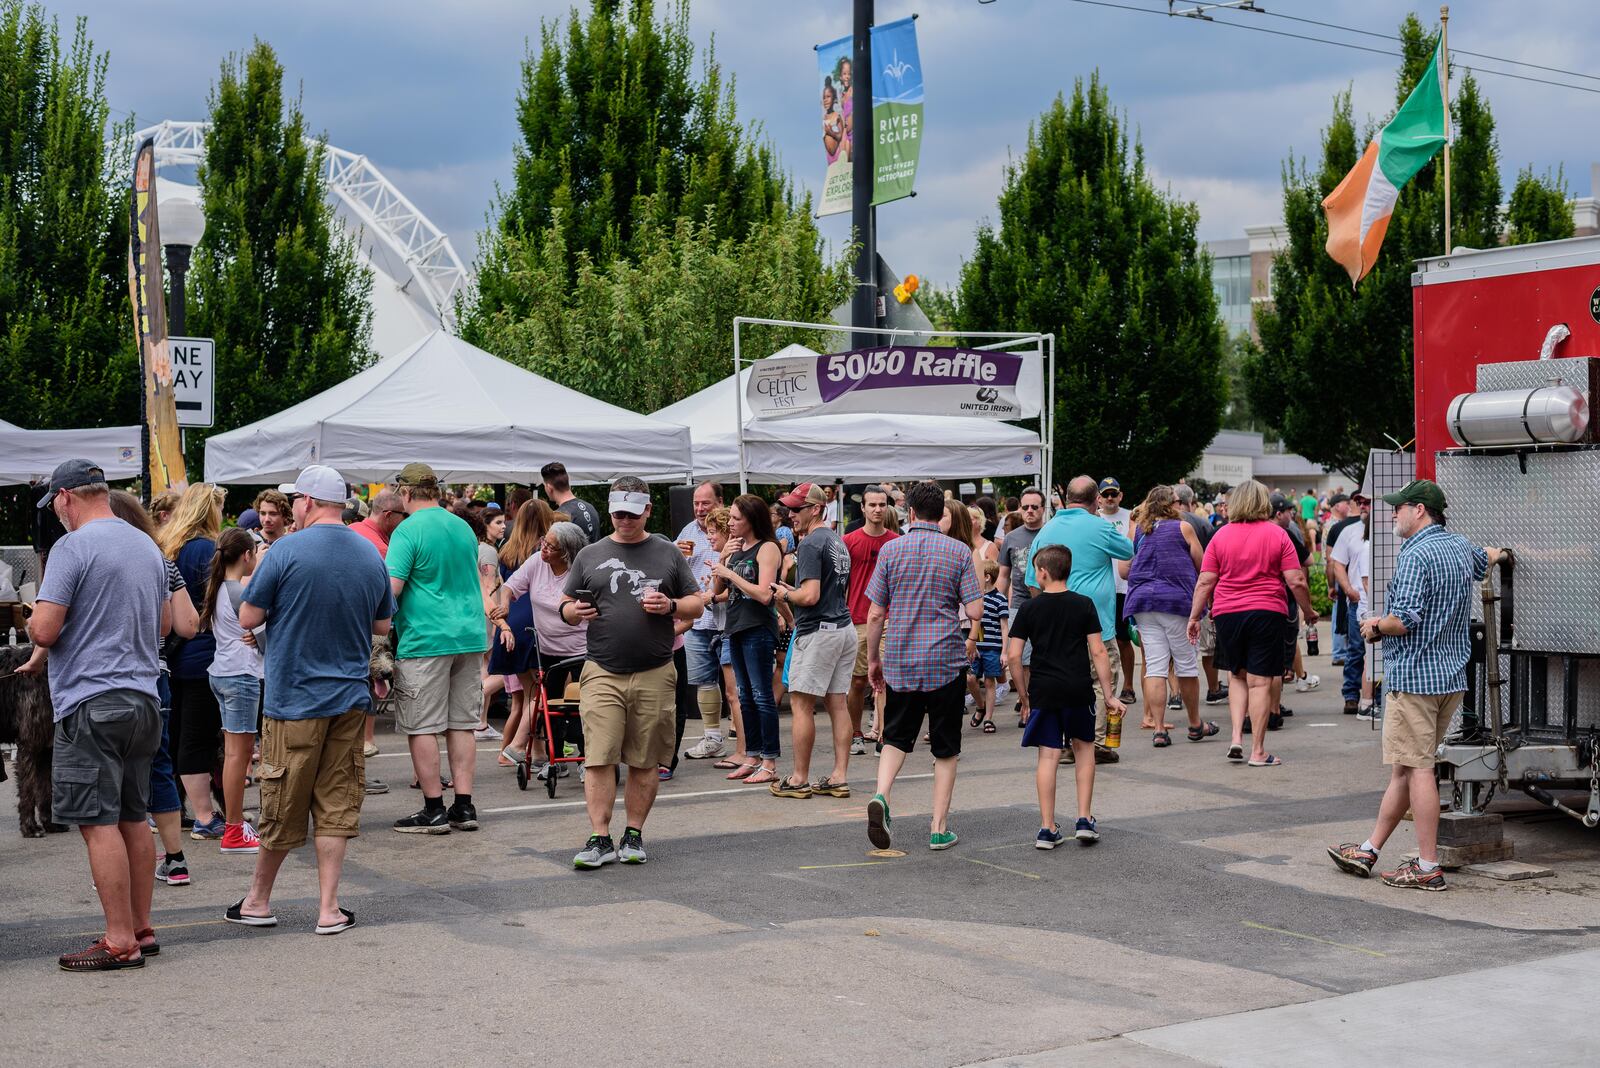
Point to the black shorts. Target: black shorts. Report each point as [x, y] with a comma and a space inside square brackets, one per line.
[1124, 630]
[1291, 639]
[102, 753]
[1251, 642]
[1057, 727]
[904, 711]
[199, 735]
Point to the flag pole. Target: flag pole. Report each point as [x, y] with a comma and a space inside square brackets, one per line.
[1444, 57]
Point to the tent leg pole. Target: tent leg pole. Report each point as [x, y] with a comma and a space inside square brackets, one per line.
[738, 410]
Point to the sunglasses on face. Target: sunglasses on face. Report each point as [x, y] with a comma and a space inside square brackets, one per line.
[1110, 493]
[1031, 507]
[619, 516]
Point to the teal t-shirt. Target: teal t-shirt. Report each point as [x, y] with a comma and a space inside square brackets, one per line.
[441, 607]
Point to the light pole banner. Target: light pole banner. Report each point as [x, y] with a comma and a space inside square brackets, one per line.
[889, 380]
[838, 112]
[896, 109]
[163, 448]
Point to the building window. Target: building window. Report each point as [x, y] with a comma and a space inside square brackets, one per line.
[1230, 280]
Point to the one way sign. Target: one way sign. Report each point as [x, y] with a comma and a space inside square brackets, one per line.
[193, 380]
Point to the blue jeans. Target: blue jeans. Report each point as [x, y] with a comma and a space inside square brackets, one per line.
[1341, 612]
[1355, 655]
[701, 657]
[753, 652]
[163, 788]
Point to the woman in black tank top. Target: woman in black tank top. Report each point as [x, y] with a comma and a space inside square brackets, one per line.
[748, 570]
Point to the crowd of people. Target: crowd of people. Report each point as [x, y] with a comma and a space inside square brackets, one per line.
[171, 640]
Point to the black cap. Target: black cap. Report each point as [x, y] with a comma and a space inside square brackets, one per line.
[69, 475]
[1279, 502]
[1338, 498]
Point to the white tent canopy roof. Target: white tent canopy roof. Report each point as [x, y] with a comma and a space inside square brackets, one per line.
[848, 447]
[472, 416]
[29, 454]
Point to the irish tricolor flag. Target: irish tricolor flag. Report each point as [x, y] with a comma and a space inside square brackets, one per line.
[1359, 209]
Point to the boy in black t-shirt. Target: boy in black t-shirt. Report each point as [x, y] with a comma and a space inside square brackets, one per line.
[1059, 705]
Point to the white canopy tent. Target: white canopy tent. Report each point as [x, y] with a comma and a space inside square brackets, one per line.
[29, 454]
[472, 416]
[850, 448]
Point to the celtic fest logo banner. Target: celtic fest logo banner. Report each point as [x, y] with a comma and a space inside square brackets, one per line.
[894, 119]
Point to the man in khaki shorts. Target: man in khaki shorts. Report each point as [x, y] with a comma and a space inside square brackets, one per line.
[438, 663]
[629, 588]
[825, 644]
[1429, 610]
[325, 594]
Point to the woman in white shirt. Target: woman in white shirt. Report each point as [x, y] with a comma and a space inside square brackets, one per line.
[235, 677]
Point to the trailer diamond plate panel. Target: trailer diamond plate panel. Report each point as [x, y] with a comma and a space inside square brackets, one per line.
[1549, 516]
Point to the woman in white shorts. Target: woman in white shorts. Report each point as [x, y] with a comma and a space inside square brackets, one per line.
[1161, 579]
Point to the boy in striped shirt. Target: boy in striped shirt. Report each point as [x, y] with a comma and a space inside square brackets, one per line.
[984, 646]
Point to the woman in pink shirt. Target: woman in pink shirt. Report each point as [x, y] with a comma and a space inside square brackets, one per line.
[1249, 570]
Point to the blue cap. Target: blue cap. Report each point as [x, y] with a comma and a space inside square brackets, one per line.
[1110, 483]
[249, 520]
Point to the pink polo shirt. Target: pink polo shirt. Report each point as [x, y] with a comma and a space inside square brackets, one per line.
[1249, 560]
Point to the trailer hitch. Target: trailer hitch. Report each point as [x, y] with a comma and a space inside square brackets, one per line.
[1590, 819]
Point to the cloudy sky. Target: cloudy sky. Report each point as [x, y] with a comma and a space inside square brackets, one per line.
[427, 90]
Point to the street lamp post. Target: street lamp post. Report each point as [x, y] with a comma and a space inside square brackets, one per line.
[182, 226]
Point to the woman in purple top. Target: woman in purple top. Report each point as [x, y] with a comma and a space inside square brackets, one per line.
[1161, 578]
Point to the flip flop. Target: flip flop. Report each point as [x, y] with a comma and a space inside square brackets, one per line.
[348, 922]
[236, 914]
[727, 764]
[1235, 752]
[1269, 761]
[754, 779]
[744, 771]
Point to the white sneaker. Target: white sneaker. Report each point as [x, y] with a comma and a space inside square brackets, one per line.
[970, 701]
[370, 749]
[1000, 692]
[487, 734]
[858, 746]
[706, 748]
[1307, 683]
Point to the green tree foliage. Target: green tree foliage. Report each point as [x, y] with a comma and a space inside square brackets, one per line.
[66, 330]
[275, 280]
[1090, 249]
[617, 136]
[642, 219]
[645, 332]
[1320, 335]
[1539, 209]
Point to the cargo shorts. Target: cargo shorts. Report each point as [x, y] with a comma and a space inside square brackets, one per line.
[312, 769]
[100, 774]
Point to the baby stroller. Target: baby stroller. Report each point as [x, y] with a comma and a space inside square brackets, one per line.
[552, 717]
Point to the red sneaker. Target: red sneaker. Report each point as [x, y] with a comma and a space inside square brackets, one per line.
[240, 838]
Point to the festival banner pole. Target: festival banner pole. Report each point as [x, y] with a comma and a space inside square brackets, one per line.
[1444, 57]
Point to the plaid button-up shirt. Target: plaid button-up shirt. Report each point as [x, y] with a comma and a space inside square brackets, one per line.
[923, 580]
[1431, 593]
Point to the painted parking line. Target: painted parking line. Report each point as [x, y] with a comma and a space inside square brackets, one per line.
[997, 867]
[853, 864]
[1311, 938]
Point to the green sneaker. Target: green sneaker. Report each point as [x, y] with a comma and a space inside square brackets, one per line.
[942, 839]
[878, 821]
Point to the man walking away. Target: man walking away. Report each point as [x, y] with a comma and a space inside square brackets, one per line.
[864, 543]
[558, 488]
[925, 583]
[102, 612]
[699, 643]
[1111, 511]
[325, 594]
[629, 588]
[1429, 603]
[824, 650]
[438, 680]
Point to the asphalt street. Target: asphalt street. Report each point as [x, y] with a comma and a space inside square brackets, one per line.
[765, 928]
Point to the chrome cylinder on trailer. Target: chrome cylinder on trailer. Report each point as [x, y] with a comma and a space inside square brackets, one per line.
[1553, 414]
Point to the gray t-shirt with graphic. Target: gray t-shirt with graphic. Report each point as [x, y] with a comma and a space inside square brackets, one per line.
[822, 555]
[112, 580]
[615, 575]
[1014, 554]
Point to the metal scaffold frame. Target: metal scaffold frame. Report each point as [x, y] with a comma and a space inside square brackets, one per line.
[370, 197]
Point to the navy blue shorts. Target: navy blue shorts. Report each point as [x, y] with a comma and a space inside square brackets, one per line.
[1054, 728]
[986, 665]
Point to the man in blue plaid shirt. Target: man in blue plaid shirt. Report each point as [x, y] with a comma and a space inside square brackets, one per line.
[1429, 604]
[923, 585]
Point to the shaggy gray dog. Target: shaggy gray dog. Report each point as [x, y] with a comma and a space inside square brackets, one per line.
[26, 722]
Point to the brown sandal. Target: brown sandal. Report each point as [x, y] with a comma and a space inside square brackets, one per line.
[150, 948]
[102, 956]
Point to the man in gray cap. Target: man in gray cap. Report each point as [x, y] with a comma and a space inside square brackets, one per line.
[102, 612]
[1429, 603]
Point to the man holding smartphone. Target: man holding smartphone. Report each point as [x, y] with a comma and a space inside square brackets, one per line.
[629, 588]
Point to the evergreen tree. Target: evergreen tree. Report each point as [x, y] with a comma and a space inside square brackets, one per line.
[1539, 208]
[66, 329]
[275, 280]
[617, 135]
[1333, 374]
[1090, 249]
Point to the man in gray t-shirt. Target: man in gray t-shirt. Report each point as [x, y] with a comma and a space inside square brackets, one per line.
[1014, 568]
[631, 589]
[101, 613]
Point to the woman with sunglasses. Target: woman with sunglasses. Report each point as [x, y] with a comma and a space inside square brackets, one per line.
[748, 571]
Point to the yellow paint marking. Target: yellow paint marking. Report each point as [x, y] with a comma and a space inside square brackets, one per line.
[997, 867]
[1311, 938]
[854, 864]
[158, 927]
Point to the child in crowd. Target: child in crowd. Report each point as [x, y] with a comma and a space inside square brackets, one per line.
[1059, 705]
[985, 647]
[235, 674]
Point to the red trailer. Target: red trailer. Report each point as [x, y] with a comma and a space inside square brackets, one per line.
[1490, 307]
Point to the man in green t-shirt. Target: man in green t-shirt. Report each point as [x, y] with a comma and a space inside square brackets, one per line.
[438, 662]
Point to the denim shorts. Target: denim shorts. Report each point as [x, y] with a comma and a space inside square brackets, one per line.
[986, 665]
[239, 698]
[700, 655]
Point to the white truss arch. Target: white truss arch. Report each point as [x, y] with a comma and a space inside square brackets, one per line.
[370, 198]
